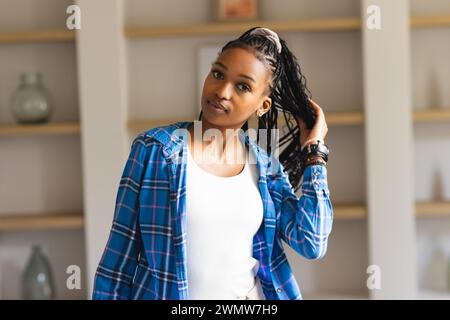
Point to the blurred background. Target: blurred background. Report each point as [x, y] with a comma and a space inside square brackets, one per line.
[71, 102]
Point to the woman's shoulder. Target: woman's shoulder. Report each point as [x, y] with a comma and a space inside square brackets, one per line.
[165, 137]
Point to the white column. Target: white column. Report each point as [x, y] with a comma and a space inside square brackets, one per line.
[102, 85]
[389, 144]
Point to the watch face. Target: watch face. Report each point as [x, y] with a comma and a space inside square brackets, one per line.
[321, 147]
[318, 146]
[324, 148]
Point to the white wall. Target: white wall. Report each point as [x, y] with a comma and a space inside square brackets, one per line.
[388, 124]
[103, 105]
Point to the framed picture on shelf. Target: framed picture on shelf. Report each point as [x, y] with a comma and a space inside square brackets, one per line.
[206, 54]
[236, 10]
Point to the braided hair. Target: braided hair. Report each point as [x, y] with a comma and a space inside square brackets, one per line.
[289, 95]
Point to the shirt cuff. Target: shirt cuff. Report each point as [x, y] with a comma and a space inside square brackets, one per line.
[315, 178]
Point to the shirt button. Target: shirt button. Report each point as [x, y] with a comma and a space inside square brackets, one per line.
[279, 290]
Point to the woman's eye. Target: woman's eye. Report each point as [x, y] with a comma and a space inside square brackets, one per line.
[243, 87]
[216, 74]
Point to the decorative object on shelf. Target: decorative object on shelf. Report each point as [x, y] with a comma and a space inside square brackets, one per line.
[438, 186]
[37, 279]
[30, 103]
[236, 10]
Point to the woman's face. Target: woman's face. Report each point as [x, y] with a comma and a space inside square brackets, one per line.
[239, 82]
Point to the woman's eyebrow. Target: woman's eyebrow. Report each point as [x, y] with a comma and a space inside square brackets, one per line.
[241, 75]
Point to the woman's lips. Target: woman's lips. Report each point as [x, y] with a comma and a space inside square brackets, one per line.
[217, 107]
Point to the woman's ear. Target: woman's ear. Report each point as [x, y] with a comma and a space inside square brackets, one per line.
[265, 107]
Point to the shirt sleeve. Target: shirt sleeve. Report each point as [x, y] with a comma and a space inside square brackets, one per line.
[304, 223]
[115, 272]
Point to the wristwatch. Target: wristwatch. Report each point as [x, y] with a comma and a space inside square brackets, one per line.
[317, 148]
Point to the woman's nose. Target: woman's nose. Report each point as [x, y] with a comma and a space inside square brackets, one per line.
[224, 91]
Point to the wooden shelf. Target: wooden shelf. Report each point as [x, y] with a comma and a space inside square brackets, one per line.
[423, 210]
[344, 118]
[432, 114]
[433, 209]
[430, 21]
[13, 222]
[37, 36]
[337, 24]
[349, 211]
[51, 128]
[333, 24]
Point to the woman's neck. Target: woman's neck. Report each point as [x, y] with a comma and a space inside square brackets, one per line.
[218, 144]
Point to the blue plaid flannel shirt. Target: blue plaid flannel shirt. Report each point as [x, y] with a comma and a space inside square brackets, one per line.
[145, 255]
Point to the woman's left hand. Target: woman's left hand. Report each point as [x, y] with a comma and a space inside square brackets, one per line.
[319, 129]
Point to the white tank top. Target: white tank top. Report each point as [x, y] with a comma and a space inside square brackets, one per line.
[223, 215]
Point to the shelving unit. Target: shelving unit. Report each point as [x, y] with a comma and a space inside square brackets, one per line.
[55, 223]
[175, 42]
[428, 54]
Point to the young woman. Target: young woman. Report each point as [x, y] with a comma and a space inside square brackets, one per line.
[191, 224]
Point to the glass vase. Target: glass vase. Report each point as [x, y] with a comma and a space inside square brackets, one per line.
[30, 103]
[37, 278]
